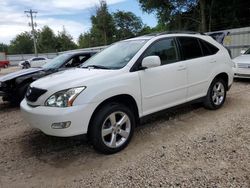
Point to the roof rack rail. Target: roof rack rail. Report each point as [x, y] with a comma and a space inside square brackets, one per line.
[175, 32]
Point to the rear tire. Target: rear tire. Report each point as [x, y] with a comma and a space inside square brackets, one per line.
[216, 94]
[112, 128]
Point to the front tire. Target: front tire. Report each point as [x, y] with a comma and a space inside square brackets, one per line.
[112, 128]
[216, 94]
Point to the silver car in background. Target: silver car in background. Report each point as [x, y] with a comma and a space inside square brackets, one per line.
[242, 65]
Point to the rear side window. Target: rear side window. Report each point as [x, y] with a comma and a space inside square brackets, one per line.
[207, 48]
[166, 49]
[190, 47]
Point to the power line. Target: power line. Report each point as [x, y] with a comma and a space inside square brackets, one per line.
[30, 13]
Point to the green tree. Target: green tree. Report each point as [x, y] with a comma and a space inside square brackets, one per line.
[46, 40]
[21, 44]
[127, 24]
[201, 15]
[103, 26]
[64, 41]
[4, 47]
[85, 40]
[167, 10]
[227, 15]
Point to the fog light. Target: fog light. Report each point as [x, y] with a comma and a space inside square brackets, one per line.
[61, 125]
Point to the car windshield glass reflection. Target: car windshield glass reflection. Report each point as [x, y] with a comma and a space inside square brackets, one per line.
[57, 62]
[116, 56]
[247, 52]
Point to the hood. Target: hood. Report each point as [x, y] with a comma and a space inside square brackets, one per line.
[242, 59]
[72, 78]
[17, 74]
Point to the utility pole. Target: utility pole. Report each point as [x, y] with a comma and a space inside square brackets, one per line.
[30, 13]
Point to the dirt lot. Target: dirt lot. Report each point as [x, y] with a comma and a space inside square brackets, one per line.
[186, 147]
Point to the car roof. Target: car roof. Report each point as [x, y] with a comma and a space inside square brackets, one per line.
[168, 33]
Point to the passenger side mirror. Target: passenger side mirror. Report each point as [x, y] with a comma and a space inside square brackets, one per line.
[150, 62]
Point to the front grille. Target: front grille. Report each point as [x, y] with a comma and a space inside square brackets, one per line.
[243, 65]
[33, 93]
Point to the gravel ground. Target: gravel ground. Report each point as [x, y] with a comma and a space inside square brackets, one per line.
[185, 147]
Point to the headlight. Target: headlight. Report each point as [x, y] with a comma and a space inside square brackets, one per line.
[64, 98]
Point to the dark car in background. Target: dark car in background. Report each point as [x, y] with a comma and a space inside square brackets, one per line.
[13, 86]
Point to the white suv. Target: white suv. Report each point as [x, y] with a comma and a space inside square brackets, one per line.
[108, 95]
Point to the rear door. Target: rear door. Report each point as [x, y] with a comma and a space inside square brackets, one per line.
[200, 60]
[166, 85]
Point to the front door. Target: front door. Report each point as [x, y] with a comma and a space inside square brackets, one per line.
[164, 86]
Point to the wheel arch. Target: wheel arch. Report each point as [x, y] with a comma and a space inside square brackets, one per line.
[124, 99]
[224, 76]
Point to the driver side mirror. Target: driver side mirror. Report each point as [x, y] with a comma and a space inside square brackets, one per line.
[150, 62]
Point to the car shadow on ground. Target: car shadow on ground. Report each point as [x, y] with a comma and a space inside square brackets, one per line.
[55, 151]
[7, 107]
[61, 152]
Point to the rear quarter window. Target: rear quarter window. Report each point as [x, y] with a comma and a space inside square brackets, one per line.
[207, 48]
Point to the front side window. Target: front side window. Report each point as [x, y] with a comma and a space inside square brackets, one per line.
[190, 47]
[166, 49]
[77, 60]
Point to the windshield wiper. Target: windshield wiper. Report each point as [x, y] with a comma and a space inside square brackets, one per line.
[96, 67]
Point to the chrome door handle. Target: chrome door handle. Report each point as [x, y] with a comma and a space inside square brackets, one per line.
[181, 68]
[213, 61]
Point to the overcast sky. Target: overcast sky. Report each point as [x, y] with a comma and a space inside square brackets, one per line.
[74, 15]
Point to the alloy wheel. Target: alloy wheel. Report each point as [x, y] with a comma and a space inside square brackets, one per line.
[218, 93]
[116, 129]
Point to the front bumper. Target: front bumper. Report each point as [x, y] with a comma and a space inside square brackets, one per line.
[42, 117]
[242, 72]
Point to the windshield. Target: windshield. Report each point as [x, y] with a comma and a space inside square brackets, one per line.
[56, 62]
[116, 56]
[247, 52]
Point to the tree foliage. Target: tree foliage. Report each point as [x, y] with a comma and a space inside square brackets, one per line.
[167, 10]
[4, 47]
[200, 15]
[64, 41]
[102, 25]
[47, 41]
[21, 44]
[107, 28]
[127, 24]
